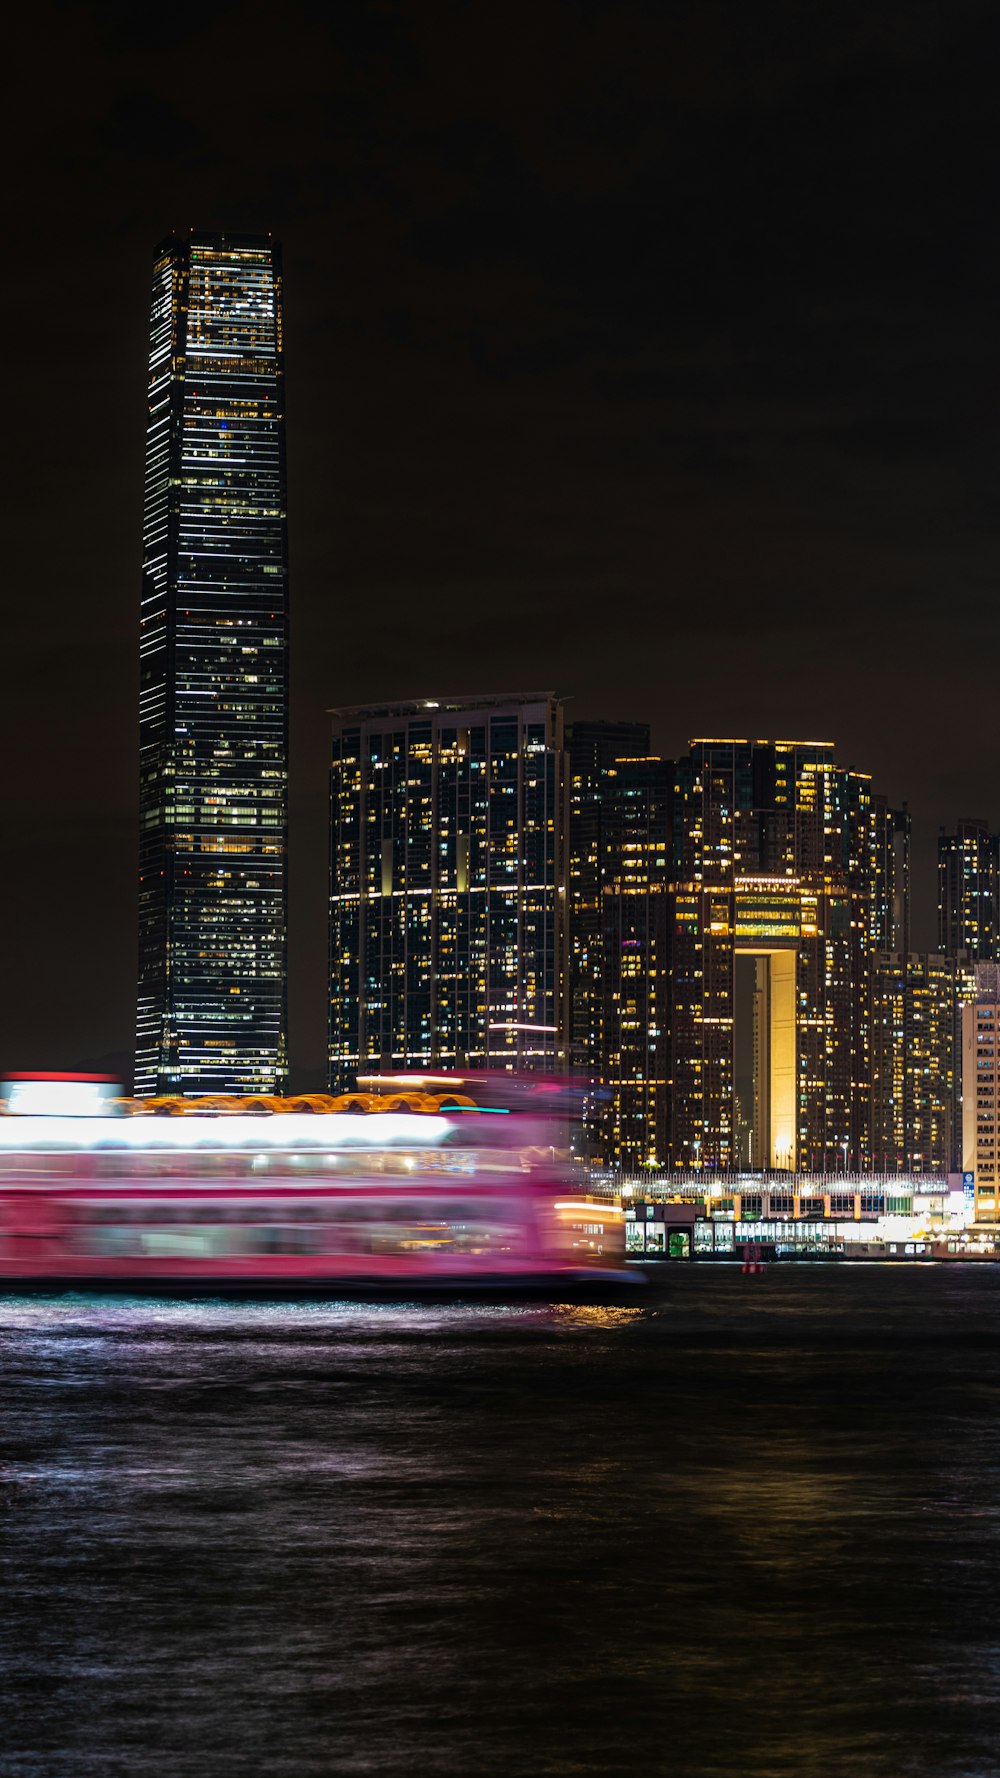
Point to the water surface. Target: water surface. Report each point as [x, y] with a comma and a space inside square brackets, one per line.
[751, 1530]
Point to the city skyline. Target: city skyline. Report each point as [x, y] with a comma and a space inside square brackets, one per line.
[683, 469]
[716, 946]
[500, 980]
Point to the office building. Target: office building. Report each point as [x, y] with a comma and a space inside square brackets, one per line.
[214, 675]
[448, 886]
[969, 892]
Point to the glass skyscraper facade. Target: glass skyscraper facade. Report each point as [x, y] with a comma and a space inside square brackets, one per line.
[447, 886]
[214, 675]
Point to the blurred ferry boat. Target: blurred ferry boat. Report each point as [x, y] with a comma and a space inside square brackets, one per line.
[393, 1190]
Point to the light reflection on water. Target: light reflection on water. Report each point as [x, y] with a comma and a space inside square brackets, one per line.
[751, 1529]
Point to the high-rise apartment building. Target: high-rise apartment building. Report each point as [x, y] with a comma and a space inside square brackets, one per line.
[633, 1115]
[448, 886]
[981, 1091]
[890, 903]
[772, 885]
[969, 892]
[592, 748]
[214, 674]
[916, 1068]
[965, 994]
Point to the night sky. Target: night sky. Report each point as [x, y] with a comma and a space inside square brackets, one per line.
[643, 353]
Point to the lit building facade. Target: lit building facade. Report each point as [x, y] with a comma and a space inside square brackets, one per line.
[965, 994]
[635, 938]
[771, 928]
[916, 1072]
[448, 886]
[592, 749]
[214, 675]
[981, 1091]
[890, 901]
[969, 892]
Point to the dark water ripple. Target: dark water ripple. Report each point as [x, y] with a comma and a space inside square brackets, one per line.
[752, 1531]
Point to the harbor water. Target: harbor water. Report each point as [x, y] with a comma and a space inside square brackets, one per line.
[748, 1529]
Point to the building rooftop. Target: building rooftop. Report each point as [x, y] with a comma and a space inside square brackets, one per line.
[427, 706]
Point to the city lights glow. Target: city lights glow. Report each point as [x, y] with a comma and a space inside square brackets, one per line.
[53, 1097]
[295, 1130]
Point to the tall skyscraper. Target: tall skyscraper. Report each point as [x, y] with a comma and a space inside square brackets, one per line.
[448, 886]
[969, 892]
[593, 748]
[214, 674]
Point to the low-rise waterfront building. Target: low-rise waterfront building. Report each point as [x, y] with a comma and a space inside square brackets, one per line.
[804, 1216]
